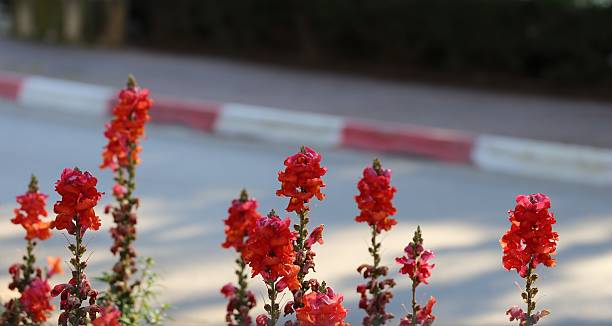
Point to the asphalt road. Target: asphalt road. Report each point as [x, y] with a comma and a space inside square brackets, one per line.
[555, 119]
[187, 180]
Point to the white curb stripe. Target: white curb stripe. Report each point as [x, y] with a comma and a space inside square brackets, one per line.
[64, 96]
[543, 159]
[279, 126]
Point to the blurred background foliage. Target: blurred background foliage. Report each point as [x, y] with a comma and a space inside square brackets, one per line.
[558, 42]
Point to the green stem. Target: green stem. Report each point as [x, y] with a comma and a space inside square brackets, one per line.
[378, 319]
[30, 260]
[302, 230]
[78, 267]
[242, 289]
[529, 300]
[274, 307]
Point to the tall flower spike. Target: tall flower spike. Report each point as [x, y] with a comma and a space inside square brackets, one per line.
[75, 213]
[124, 133]
[33, 306]
[375, 204]
[529, 242]
[242, 218]
[269, 252]
[300, 182]
[415, 263]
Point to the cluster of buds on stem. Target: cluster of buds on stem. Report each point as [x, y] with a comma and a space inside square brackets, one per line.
[124, 133]
[242, 216]
[300, 182]
[416, 265]
[75, 213]
[375, 204]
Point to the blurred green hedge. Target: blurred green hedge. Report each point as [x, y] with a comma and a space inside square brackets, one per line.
[552, 40]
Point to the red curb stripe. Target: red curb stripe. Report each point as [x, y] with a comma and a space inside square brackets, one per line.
[200, 116]
[10, 86]
[440, 144]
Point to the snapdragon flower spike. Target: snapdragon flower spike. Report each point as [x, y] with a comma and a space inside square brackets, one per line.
[375, 204]
[300, 182]
[75, 213]
[124, 134]
[241, 219]
[33, 306]
[375, 198]
[529, 242]
[415, 263]
[269, 253]
[130, 115]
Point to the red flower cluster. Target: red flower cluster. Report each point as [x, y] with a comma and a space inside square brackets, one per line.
[322, 309]
[31, 209]
[79, 196]
[530, 238]
[109, 316]
[415, 263]
[424, 316]
[242, 217]
[301, 179]
[269, 252]
[35, 300]
[70, 302]
[235, 303]
[123, 133]
[516, 313]
[375, 196]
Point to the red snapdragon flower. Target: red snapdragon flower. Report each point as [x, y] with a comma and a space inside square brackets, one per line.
[35, 300]
[242, 217]
[31, 209]
[301, 179]
[127, 127]
[79, 196]
[269, 251]
[322, 309]
[375, 198]
[315, 237]
[109, 316]
[415, 263]
[424, 315]
[530, 238]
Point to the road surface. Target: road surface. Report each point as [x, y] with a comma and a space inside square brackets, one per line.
[216, 79]
[187, 180]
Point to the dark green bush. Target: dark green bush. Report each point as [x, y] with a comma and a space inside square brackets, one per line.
[552, 40]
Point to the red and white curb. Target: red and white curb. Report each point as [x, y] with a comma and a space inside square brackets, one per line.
[493, 153]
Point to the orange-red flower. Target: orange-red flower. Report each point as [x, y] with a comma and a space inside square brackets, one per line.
[35, 300]
[31, 209]
[54, 266]
[269, 251]
[322, 309]
[242, 217]
[108, 317]
[375, 198]
[130, 116]
[79, 197]
[530, 238]
[301, 179]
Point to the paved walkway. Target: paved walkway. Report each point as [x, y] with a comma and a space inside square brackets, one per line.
[215, 79]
